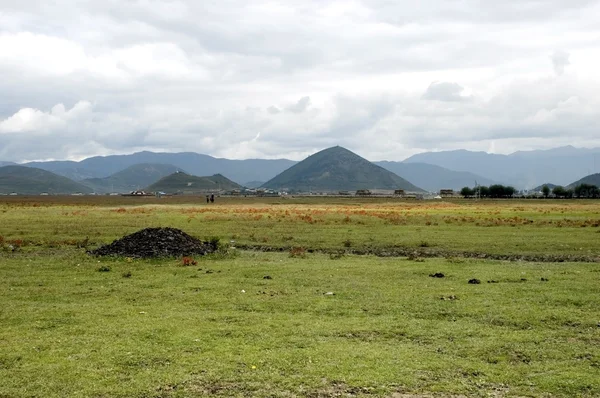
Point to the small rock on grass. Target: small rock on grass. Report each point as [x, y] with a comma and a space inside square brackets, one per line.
[474, 281]
[451, 297]
[329, 294]
[437, 275]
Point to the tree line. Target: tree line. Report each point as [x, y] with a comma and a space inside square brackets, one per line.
[493, 191]
[501, 191]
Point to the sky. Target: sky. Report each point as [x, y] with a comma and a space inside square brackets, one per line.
[283, 79]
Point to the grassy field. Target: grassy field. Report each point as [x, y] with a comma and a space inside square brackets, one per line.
[155, 328]
[500, 227]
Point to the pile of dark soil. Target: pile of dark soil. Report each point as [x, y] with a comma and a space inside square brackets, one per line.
[156, 242]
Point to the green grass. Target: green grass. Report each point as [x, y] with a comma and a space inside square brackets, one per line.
[501, 227]
[168, 330]
[153, 328]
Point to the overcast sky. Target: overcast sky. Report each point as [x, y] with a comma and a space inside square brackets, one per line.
[247, 79]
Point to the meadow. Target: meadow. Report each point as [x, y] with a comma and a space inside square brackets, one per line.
[309, 297]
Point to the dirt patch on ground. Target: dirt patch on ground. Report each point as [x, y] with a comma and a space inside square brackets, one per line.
[421, 252]
[156, 242]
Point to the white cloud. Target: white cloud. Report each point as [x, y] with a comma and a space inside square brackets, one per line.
[208, 76]
[300, 106]
[560, 60]
[28, 120]
[40, 53]
[444, 91]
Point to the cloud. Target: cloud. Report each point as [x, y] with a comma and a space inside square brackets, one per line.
[273, 110]
[444, 91]
[29, 120]
[560, 60]
[300, 106]
[387, 79]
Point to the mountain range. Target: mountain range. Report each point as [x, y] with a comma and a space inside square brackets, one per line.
[522, 169]
[433, 178]
[431, 171]
[250, 173]
[132, 178]
[194, 163]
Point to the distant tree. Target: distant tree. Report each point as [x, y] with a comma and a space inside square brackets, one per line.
[545, 191]
[496, 191]
[466, 192]
[586, 191]
[500, 191]
[559, 192]
[484, 191]
[509, 191]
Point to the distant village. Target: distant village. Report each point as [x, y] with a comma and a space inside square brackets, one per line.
[262, 192]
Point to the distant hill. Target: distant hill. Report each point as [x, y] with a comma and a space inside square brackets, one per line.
[2, 163]
[337, 169]
[433, 178]
[185, 183]
[592, 179]
[539, 187]
[194, 163]
[253, 184]
[522, 169]
[132, 178]
[32, 181]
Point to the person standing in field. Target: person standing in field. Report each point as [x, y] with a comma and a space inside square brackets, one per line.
[212, 198]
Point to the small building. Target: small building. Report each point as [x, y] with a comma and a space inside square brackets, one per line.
[399, 192]
[382, 192]
[446, 192]
[363, 192]
[137, 193]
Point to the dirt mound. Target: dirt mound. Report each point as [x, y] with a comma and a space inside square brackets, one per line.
[156, 242]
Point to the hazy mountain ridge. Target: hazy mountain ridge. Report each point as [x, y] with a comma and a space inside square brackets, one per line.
[95, 169]
[430, 170]
[194, 163]
[433, 178]
[253, 184]
[540, 187]
[523, 169]
[33, 181]
[132, 178]
[337, 168]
